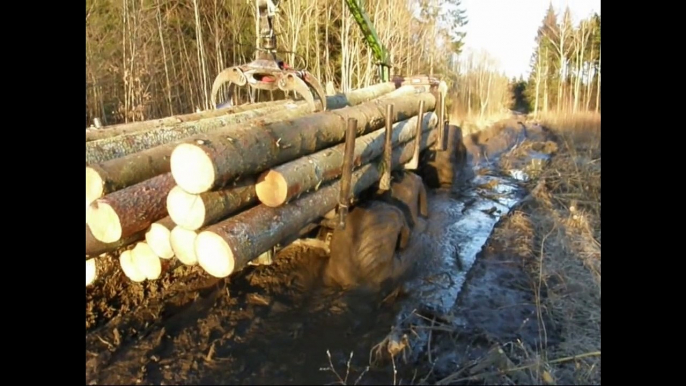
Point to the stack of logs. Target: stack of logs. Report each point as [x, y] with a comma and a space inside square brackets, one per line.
[220, 189]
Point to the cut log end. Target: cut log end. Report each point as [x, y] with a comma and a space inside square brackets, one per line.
[187, 210]
[214, 254]
[147, 261]
[103, 222]
[183, 244]
[272, 188]
[158, 238]
[94, 185]
[129, 268]
[91, 272]
[192, 169]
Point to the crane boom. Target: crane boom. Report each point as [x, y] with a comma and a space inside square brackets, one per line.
[380, 52]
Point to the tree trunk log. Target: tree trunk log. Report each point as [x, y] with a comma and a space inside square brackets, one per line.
[136, 127]
[194, 211]
[107, 177]
[95, 247]
[404, 91]
[91, 271]
[215, 159]
[129, 268]
[119, 173]
[158, 237]
[282, 183]
[146, 261]
[229, 245]
[131, 210]
[123, 145]
[183, 243]
[359, 96]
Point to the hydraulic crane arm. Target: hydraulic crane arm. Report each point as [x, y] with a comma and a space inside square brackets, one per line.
[380, 52]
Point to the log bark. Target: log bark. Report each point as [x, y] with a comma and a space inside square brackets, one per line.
[123, 145]
[215, 159]
[136, 127]
[129, 211]
[229, 245]
[193, 211]
[296, 236]
[91, 271]
[95, 247]
[120, 173]
[129, 268]
[359, 96]
[146, 261]
[281, 184]
[158, 237]
[107, 177]
[183, 243]
[405, 91]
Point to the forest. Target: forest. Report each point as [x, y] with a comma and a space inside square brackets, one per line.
[147, 59]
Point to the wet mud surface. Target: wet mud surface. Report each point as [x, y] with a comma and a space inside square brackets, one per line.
[261, 327]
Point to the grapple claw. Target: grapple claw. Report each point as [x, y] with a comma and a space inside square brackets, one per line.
[293, 82]
[267, 72]
[318, 89]
[234, 76]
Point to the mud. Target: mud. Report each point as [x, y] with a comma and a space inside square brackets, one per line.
[265, 326]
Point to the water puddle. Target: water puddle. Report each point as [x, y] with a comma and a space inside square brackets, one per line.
[460, 226]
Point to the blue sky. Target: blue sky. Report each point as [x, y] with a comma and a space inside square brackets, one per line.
[507, 28]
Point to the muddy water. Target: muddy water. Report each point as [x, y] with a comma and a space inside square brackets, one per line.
[258, 327]
[460, 226]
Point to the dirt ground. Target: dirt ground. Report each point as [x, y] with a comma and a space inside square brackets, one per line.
[528, 313]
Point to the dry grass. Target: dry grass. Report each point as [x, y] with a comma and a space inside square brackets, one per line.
[565, 216]
[471, 123]
[557, 230]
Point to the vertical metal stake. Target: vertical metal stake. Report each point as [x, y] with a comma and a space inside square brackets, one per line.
[414, 163]
[385, 183]
[440, 141]
[450, 134]
[346, 174]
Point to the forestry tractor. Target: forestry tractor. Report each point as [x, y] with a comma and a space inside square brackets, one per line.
[269, 73]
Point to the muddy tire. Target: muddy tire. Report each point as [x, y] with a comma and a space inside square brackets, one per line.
[442, 169]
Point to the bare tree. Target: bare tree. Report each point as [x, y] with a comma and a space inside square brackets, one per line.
[597, 104]
[150, 59]
[581, 38]
[560, 39]
[201, 56]
[538, 79]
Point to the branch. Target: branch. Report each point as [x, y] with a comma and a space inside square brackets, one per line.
[88, 14]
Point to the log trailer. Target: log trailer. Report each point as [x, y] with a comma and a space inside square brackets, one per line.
[139, 174]
[269, 73]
